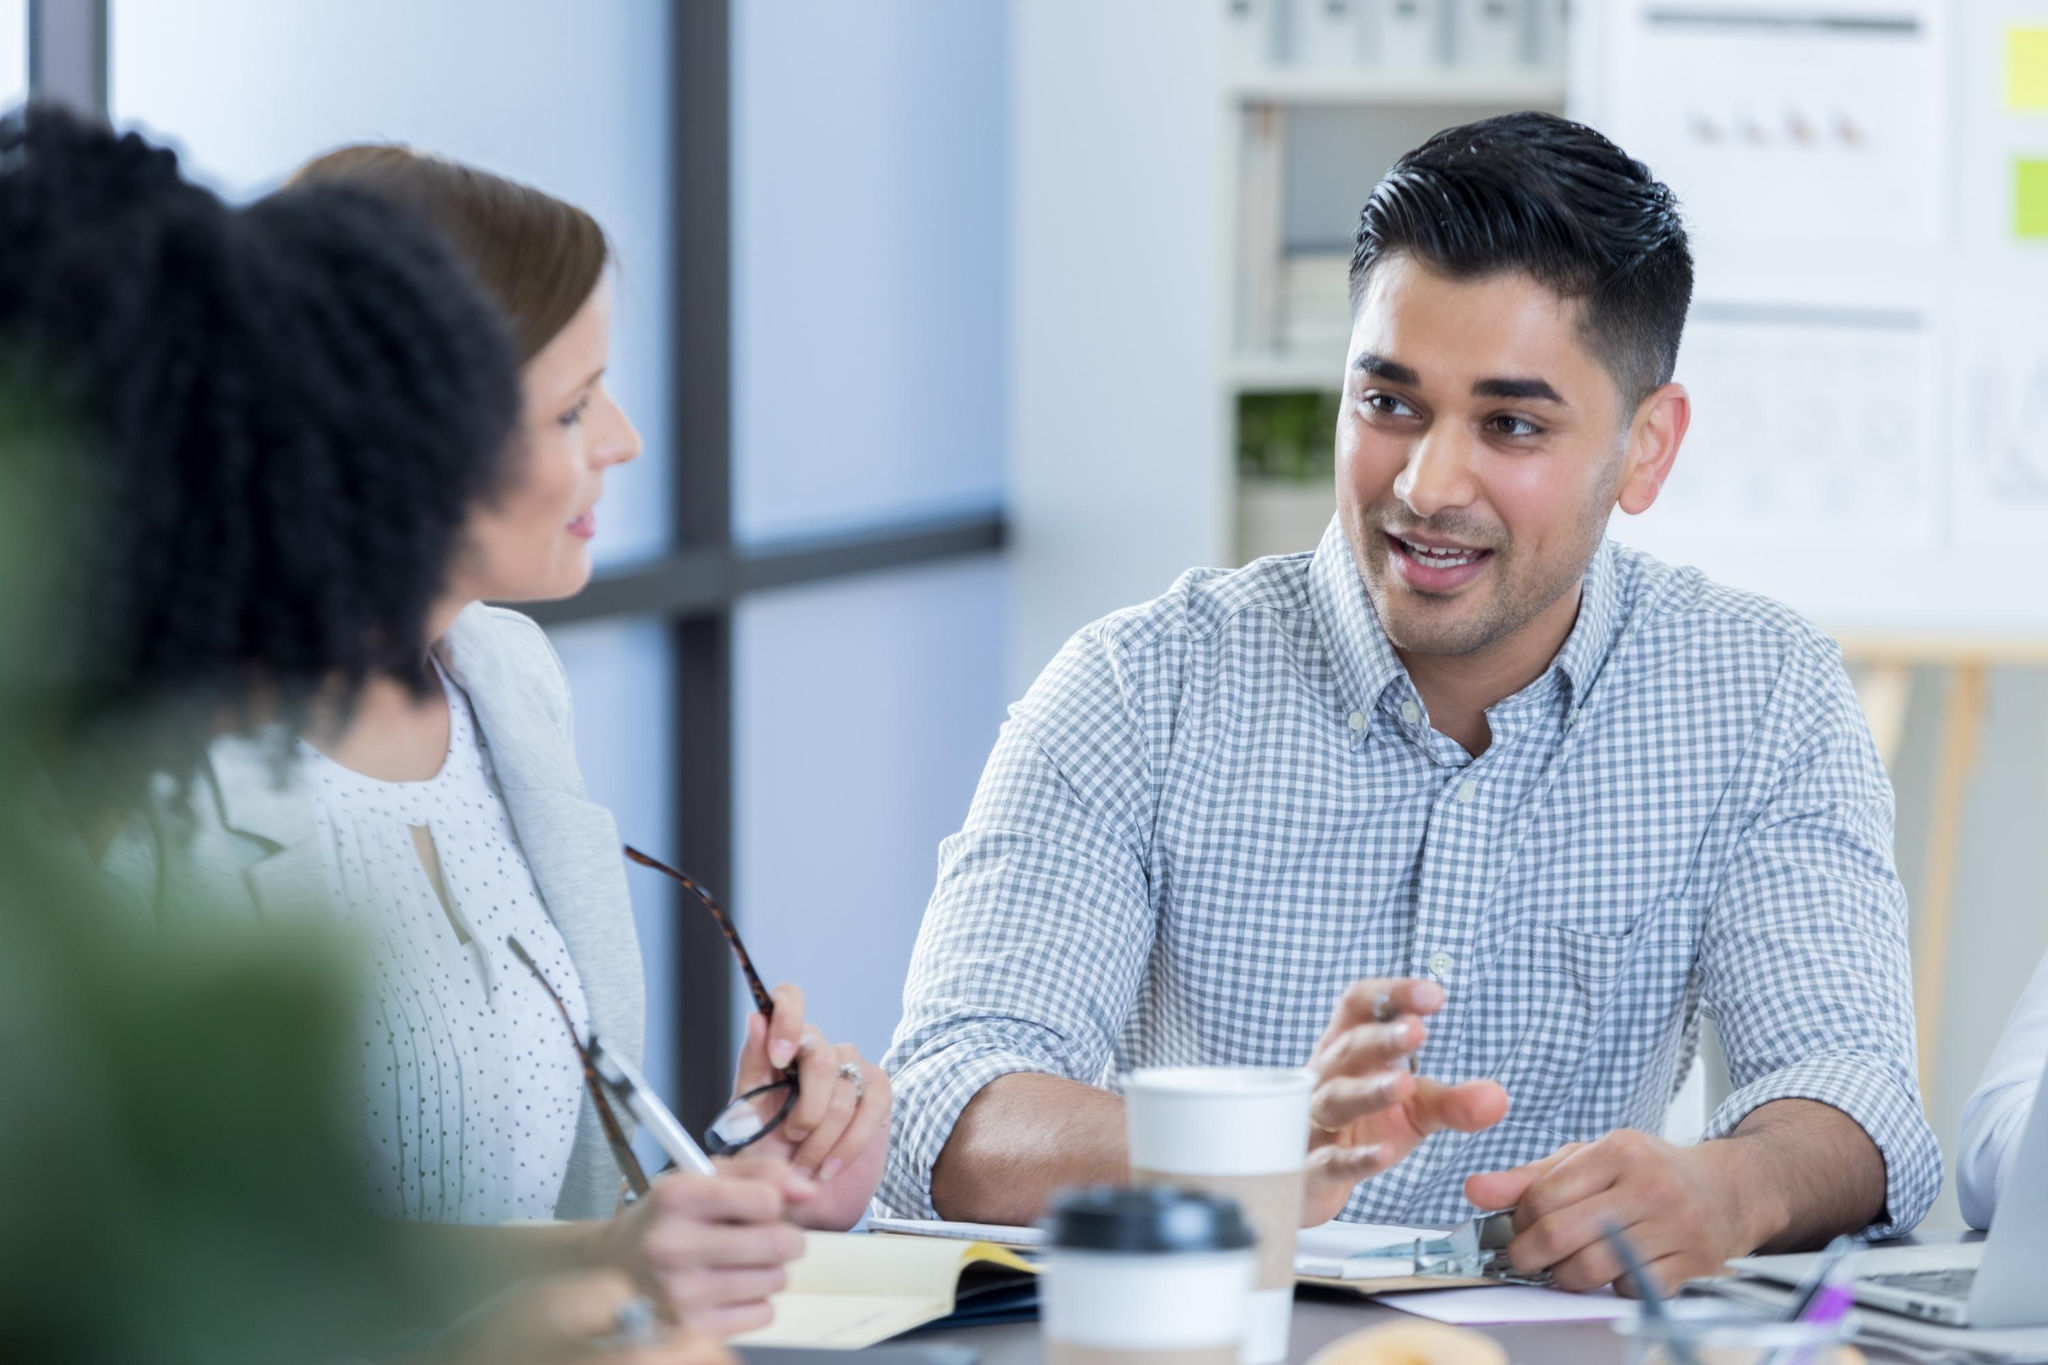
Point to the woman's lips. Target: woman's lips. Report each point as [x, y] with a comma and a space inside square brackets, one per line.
[585, 526]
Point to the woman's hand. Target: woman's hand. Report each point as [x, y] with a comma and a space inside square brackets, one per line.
[571, 1319]
[838, 1131]
[711, 1248]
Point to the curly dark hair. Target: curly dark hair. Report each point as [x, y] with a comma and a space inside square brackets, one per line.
[279, 414]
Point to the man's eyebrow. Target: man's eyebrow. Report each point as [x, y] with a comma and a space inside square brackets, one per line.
[1393, 371]
[1518, 388]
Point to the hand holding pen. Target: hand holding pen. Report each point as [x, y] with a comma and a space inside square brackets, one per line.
[1370, 1108]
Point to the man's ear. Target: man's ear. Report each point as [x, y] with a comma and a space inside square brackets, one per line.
[1653, 440]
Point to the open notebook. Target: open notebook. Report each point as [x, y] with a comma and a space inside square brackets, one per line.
[851, 1290]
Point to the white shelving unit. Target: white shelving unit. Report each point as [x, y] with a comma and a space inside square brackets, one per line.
[1260, 100]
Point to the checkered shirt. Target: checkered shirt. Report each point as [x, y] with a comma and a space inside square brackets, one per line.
[1213, 812]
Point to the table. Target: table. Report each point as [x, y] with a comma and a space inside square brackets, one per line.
[1319, 1321]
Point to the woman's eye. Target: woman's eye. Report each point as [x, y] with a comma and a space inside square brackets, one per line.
[575, 414]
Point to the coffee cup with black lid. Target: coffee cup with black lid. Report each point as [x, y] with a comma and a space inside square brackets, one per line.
[1152, 1274]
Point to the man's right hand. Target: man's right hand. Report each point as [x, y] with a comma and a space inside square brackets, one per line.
[1368, 1110]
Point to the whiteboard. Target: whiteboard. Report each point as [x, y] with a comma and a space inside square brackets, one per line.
[1868, 348]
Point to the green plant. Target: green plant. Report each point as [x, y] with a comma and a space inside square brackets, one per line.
[1286, 436]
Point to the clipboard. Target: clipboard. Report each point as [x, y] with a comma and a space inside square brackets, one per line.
[1471, 1255]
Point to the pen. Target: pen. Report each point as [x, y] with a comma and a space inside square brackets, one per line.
[1646, 1290]
[1816, 1279]
[1383, 1012]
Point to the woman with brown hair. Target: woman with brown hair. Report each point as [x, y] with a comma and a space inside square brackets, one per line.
[543, 262]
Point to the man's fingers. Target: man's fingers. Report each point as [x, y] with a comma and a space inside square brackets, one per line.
[1343, 1101]
[1378, 1000]
[1370, 1047]
[786, 1029]
[1466, 1107]
[1559, 1236]
[1579, 1173]
[1348, 1165]
[1504, 1189]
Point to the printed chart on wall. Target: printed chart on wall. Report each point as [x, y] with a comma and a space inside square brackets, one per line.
[1867, 187]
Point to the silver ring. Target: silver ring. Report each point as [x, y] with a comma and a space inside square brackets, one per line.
[851, 1071]
[635, 1323]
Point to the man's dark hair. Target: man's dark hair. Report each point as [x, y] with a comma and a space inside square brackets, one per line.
[1553, 199]
[279, 418]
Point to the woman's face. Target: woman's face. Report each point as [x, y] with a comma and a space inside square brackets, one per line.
[532, 542]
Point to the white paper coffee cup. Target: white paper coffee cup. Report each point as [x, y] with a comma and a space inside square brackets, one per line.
[1241, 1132]
[1145, 1277]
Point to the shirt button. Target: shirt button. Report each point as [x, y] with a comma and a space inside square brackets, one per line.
[1440, 964]
[1358, 720]
[1410, 712]
[1468, 791]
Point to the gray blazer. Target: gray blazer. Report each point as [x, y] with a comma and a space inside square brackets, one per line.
[245, 845]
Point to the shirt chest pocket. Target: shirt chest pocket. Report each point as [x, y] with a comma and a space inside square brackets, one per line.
[1562, 987]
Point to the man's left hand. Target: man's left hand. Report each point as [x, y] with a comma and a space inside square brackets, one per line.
[1685, 1210]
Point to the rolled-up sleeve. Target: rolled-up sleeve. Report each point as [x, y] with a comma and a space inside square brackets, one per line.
[1034, 945]
[1804, 961]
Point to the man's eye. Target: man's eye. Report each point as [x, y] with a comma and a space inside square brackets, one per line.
[1387, 405]
[1516, 426]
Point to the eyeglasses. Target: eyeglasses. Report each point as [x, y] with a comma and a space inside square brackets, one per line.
[760, 1111]
[748, 1119]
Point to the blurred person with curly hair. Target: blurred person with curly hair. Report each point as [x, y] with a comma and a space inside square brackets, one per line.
[287, 431]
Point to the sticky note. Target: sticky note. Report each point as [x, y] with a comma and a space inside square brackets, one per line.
[2026, 68]
[2030, 200]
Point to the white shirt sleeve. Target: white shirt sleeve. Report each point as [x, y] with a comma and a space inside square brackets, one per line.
[1996, 1114]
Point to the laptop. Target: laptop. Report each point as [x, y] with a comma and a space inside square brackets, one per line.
[2001, 1281]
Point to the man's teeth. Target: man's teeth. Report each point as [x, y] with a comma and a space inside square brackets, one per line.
[1440, 559]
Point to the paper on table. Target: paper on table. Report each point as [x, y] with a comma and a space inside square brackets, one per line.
[997, 1234]
[1509, 1303]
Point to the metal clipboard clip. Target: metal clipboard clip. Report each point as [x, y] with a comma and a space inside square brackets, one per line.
[1477, 1250]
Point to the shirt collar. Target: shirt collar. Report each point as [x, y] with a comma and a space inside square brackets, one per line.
[1586, 648]
[1366, 662]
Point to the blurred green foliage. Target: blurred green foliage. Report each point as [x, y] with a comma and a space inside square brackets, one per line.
[1287, 436]
[180, 1185]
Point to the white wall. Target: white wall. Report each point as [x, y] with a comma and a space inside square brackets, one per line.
[870, 240]
[1117, 316]
[13, 53]
[865, 710]
[573, 98]
[870, 256]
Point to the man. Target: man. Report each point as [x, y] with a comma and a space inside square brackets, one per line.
[1468, 785]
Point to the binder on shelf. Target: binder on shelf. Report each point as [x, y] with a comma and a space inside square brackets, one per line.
[1326, 34]
[1411, 35]
[1492, 35]
[1249, 31]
